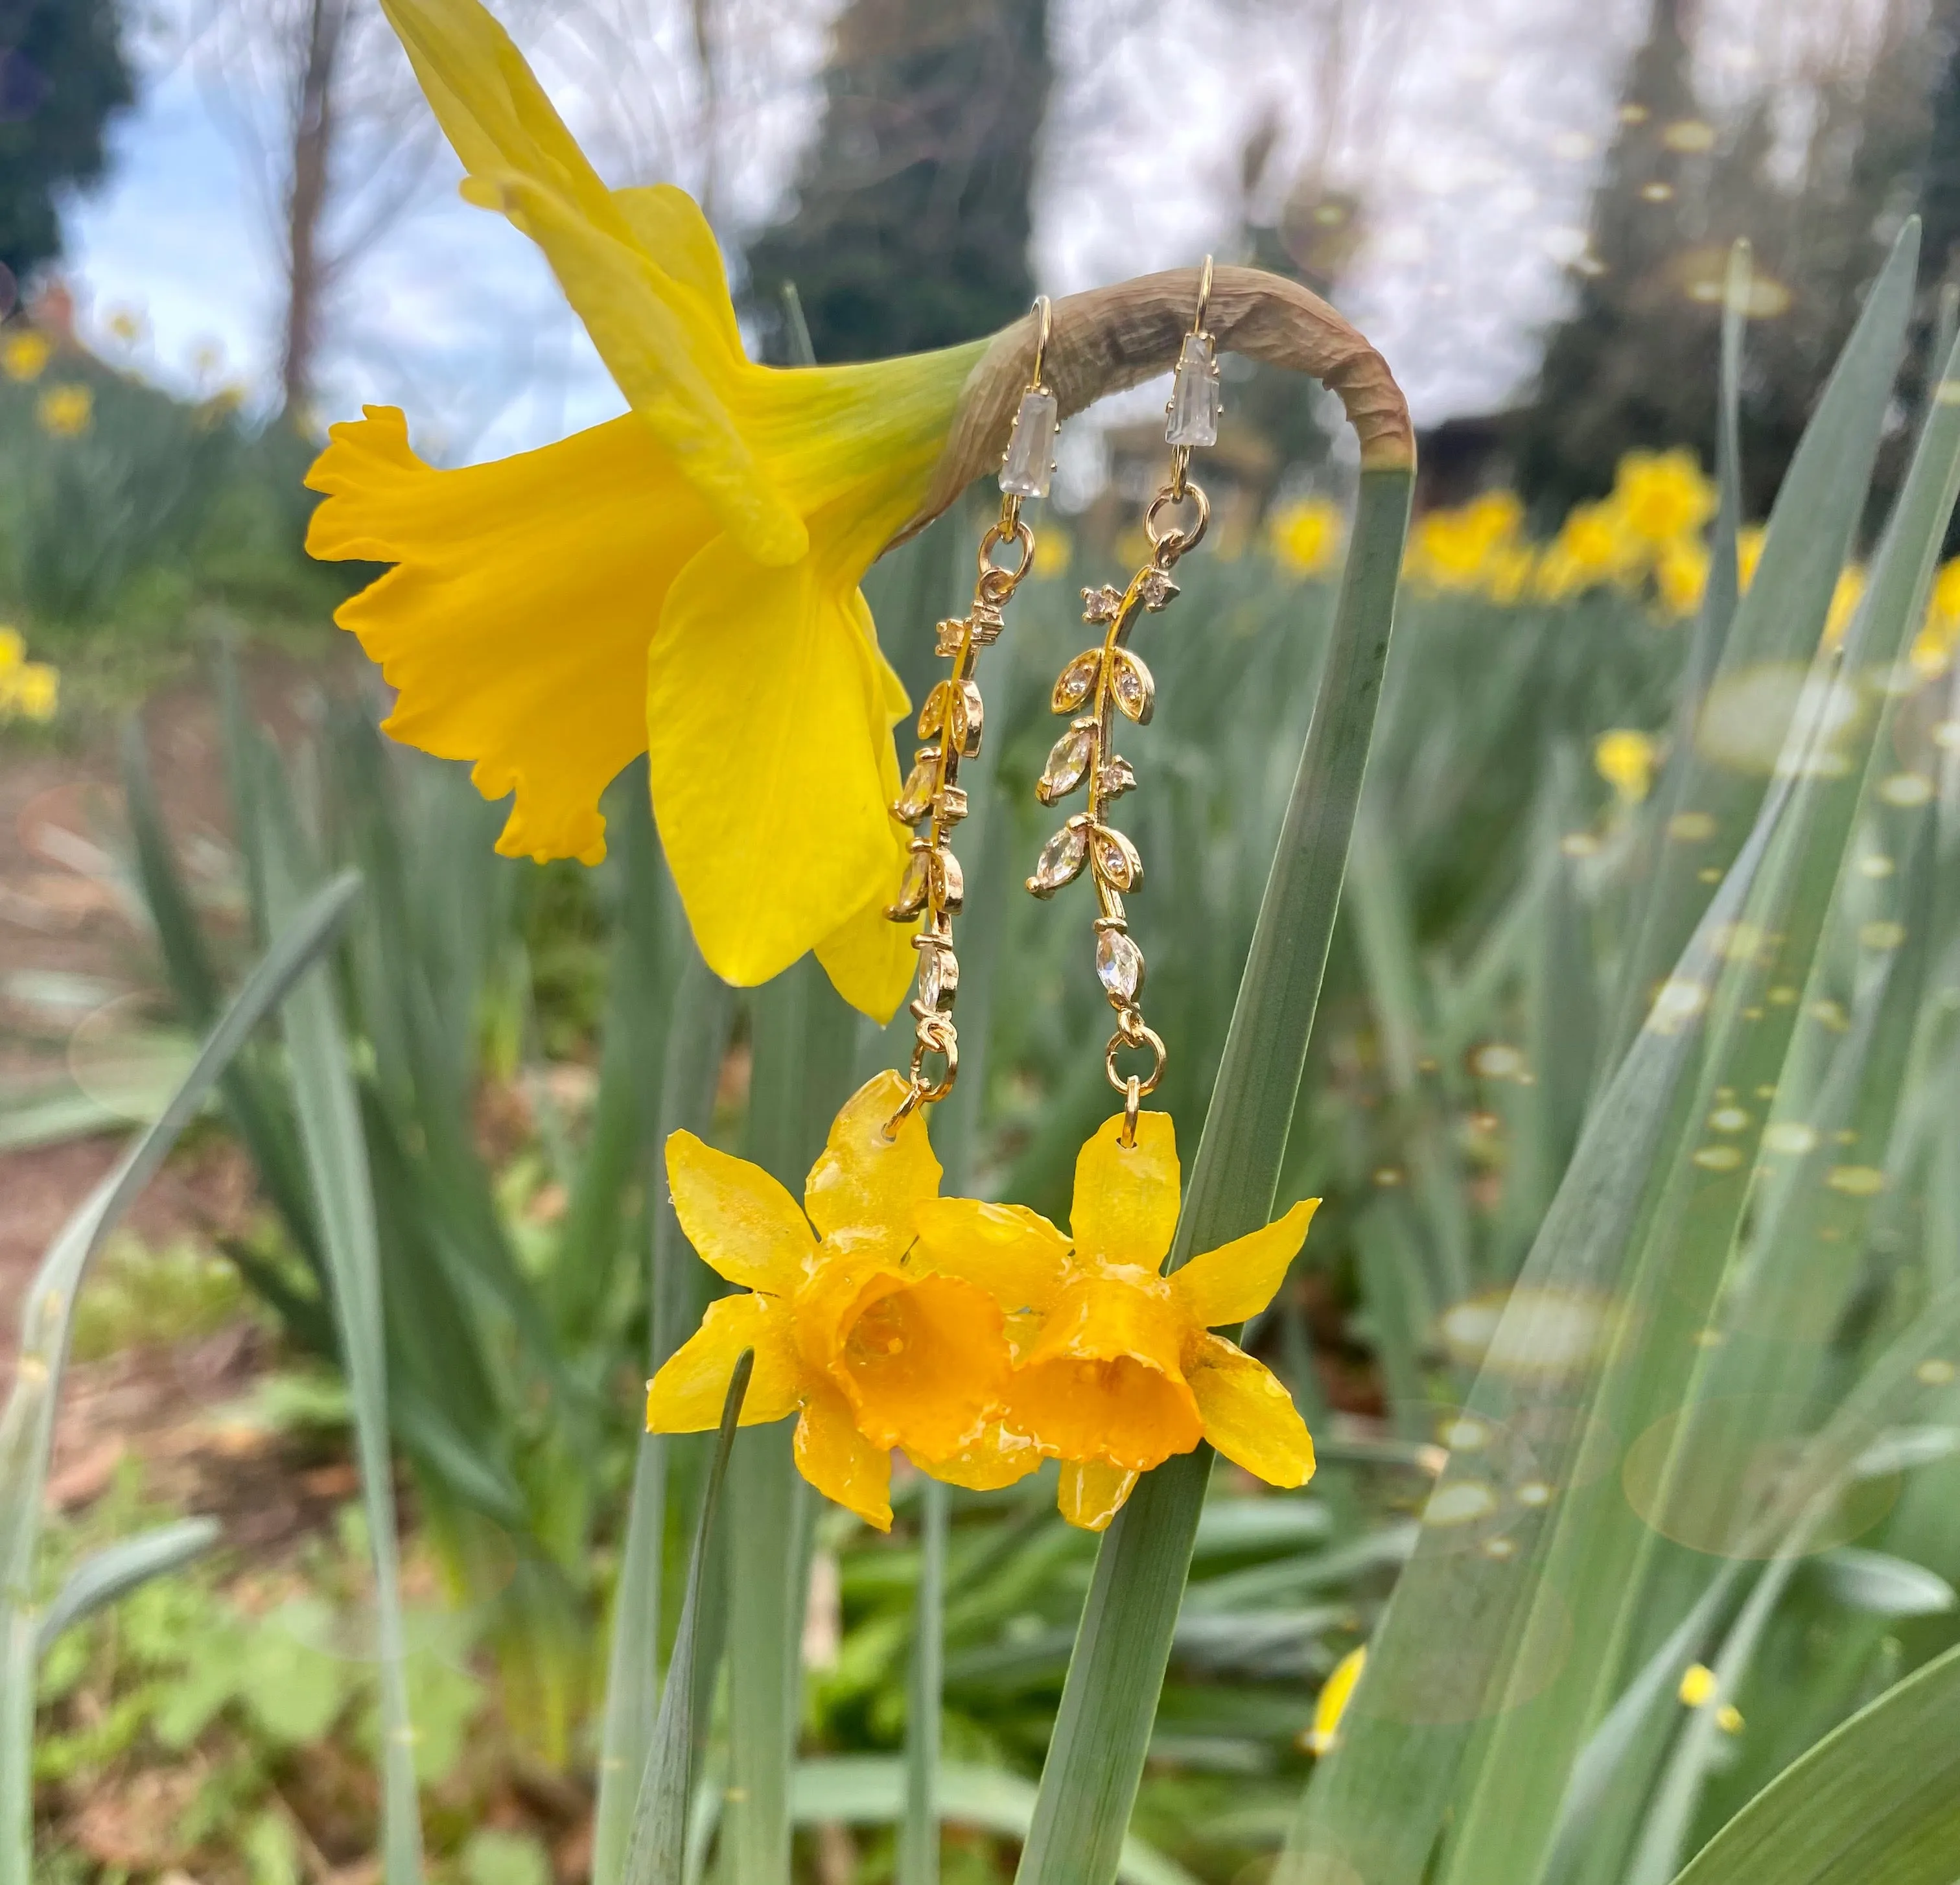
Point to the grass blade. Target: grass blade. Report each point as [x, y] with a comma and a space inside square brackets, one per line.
[336, 1157]
[805, 1051]
[1879, 1799]
[1088, 1783]
[105, 1575]
[697, 1040]
[918, 1822]
[27, 1427]
[868, 1790]
[656, 1852]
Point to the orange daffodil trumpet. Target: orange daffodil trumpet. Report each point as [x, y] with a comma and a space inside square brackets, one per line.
[1116, 1368]
[681, 582]
[976, 1336]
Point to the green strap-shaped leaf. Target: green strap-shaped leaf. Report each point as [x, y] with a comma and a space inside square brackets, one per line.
[697, 1038]
[1876, 1803]
[117, 1569]
[1109, 1701]
[336, 1152]
[27, 1427]
[805, 1050]
[656, 1853]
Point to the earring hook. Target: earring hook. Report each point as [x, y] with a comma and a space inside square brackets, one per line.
[1203, 300]
[1044, 312]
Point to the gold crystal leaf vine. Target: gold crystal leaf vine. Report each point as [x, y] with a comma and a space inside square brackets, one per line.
[1109, 339]
[952, 723]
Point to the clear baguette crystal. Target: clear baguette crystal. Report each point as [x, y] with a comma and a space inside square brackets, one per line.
[1193, 397]
[1030, 457]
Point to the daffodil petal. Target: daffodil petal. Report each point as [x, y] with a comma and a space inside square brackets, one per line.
[1234, 1282]
[1015, 1254]
[1248, 1416]
[492, 109]
[995, 1459]
[651, 340]
[667, 224]
[741, 1222]
[923, 1364]
[836, 1459]
[1126, 1196]
[665, 347]
[1090, 1494]
[866, 1184]
[764, 763]
[685, 1397]
[870, 959]
[515, 624]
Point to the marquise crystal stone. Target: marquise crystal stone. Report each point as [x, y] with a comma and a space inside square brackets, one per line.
[914, 799]
[1030, 463]
[949, 882]
[1061, 859]
[1194, 396]
[1130, 681]
[914, 887]
[1115, 858]
[938, 977]
[969, 716]
[1077, 680]
[1068, 763]
[1119, 965]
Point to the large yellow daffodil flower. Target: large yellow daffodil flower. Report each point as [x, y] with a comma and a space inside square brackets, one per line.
[682, 582]
[1115, 1368]
[870, 1353]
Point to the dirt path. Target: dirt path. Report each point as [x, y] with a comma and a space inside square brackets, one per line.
[80, 985]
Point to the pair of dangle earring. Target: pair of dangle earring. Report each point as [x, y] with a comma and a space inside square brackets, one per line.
[1109, 680]
[951, 724]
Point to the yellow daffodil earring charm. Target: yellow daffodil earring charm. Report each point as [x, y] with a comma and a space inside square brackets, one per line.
[868, 1353]
[1116, 1366]
[853, 1330]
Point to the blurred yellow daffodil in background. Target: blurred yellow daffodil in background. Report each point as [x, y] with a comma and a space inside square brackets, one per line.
[64, 411]
[682, 582]
[870, 1353]
[24, 353]
[29, 690]
[1625, 760]
[1456, 549]
[1116, 1369]
[1660, 498]
[1332, 1702]
[1305, 535]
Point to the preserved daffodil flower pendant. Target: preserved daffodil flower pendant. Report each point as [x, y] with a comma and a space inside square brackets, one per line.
[977, 1337]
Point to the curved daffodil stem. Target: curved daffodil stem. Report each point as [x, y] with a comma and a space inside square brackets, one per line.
[1122, 1649]
[1109, 339]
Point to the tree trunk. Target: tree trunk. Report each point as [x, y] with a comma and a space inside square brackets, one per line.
[308, 270]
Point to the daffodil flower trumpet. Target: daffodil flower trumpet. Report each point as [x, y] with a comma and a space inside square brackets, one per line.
[682, 580]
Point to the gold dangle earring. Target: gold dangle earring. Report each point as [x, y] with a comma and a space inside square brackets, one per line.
[950, 723]
[1110, 678]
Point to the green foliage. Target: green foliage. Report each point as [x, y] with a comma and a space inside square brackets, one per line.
[62, 75]
[158, 507]
[911, 230]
